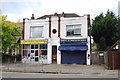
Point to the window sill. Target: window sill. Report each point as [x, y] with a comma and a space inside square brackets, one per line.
[75, 36]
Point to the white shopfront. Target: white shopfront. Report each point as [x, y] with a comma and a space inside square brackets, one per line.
[42, 40]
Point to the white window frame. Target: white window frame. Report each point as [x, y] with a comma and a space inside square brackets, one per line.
[73, 28]
[39, 30]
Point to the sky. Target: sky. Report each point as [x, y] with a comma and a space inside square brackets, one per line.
[18, 9]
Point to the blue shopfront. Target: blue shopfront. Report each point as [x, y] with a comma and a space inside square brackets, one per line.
[73, 51]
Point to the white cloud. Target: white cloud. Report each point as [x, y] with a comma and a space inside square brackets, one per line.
[43, 7]
[92, 7]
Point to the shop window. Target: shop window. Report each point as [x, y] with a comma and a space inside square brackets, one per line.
[44, 52]
[26, 46]
[32, 51]
[32, 46]
[36, 59]
[43, 46]
[24, 52]
[36, 53]
[36, 46]
[73, 30]
[36, 31]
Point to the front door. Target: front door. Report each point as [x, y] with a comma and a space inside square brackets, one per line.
[34, 55]
[54, 54]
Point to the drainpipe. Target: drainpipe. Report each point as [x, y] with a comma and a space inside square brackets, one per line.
[89, 32]
[23, 26]
[58, 26]
[50, 27]
[89, 28]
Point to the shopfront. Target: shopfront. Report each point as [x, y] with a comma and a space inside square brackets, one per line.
[34, 51]
[73, 51]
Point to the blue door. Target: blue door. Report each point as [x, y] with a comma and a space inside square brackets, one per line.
[73, 57]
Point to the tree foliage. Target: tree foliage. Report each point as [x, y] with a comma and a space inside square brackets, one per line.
[9, 34]
[105, 30]
[118, 28]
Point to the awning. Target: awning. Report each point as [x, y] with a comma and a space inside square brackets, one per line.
[73, 48]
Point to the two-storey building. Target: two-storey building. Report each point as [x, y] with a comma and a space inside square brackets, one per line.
[56, 38]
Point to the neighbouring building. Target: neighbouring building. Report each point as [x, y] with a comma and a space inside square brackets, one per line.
[56, 38]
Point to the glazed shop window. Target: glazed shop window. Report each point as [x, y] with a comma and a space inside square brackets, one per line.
[73, 30]
[34, 46]
[43, 46]
[43, 49]
[36, 31]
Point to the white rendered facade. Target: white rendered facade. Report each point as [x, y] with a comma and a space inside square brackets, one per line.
[59, 24]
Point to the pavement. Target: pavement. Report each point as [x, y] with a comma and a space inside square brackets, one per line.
[58, 69]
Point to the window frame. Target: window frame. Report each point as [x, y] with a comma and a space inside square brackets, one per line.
[35, 31]
[73, 27]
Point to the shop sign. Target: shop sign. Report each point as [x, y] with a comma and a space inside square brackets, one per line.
[74, 40]
[33, 41]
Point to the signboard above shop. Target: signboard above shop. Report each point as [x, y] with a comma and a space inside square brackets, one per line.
[74, 40]
[33, 41]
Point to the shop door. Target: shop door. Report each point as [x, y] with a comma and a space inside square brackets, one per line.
[54, 54]
[34, 55]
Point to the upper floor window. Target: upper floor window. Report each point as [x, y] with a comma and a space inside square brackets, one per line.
[73, 30]
[36, 31]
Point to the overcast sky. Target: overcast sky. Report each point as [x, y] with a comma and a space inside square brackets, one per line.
[18, 9]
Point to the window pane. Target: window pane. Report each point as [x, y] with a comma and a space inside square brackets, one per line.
[43, 46]
[32, 51]
[44, 52]
[32, 46]
[26, 46]
[36, 46]
[72, 30]
[36, 31]
[69, 30]
[36, 52]
[77, 32]
[36, 59]
[24, 52]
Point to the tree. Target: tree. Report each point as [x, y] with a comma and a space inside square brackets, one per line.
[118, 28]
[8, 34]
[118, 34]
[104, 30]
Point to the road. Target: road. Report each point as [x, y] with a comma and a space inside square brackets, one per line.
[43, 75]
[69, 72]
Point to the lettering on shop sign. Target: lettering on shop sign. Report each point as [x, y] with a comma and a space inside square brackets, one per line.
[74, 40]
[33, 41]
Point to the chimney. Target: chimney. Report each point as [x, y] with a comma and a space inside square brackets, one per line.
[32, 16]
[62, 13]
[55, 14]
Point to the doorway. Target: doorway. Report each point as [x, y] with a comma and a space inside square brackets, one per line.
[34, 54]
[54, 54]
